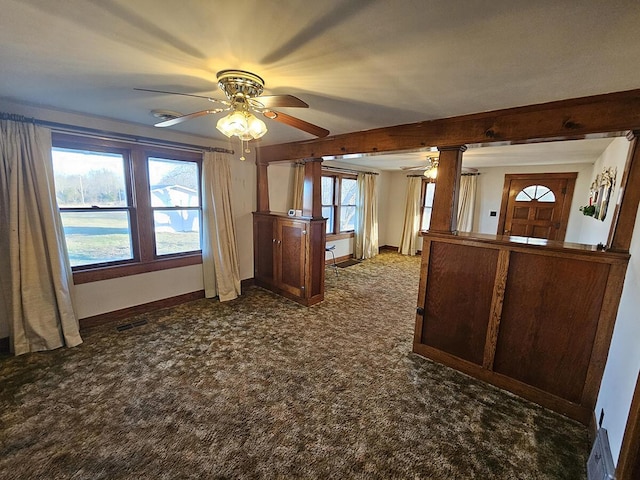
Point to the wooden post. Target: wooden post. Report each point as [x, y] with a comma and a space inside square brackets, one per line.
[312, 191]
[624, 215]
[444, 215]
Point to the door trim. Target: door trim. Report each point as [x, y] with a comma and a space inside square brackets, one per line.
[566, 209]
[629, 457]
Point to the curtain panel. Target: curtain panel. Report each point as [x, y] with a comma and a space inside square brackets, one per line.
[366, 231]
[411, 225]
[219, 247]
[467, 202]
[35, 275]
[298, 186]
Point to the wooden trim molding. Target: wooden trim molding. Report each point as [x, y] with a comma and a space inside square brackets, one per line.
[624, 215]
[117, 315]
[125, 269]
[339, 236]
[497, 300]
[343, 258]
[563, 119]
[628, 467]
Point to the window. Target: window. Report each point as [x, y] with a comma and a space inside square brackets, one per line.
[175, 201]
[426, 200]
[536, 192]
[126, 208]
[348, 193]
[339, 194]
[94, 199]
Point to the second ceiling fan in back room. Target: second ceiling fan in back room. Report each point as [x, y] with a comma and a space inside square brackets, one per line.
[244, 98]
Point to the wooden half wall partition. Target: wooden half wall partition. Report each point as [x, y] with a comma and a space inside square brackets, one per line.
[527, 315]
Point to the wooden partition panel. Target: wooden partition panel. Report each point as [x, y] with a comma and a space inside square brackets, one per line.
[460, 327]
[530, 316]
[547, 332]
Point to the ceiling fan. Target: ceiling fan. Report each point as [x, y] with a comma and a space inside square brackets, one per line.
[429, 168]
[244, 98]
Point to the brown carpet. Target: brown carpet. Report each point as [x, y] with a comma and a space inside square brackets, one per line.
[262, 387]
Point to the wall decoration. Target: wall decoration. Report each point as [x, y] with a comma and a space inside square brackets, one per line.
[600, 194]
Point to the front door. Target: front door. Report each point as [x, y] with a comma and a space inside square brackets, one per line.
[536, 205]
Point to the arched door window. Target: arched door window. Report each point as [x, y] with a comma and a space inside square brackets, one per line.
[536, 192]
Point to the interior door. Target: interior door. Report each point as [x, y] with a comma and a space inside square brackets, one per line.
[536, 205]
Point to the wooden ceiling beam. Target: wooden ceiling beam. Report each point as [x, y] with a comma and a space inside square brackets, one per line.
[558, 120]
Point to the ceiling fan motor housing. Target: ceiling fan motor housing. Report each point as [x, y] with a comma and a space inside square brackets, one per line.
[238, 84]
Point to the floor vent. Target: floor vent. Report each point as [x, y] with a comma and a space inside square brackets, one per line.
[129, 326]
[600, 463]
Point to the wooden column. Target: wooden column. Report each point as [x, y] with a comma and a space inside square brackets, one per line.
[444, 216]
[312, 191]
[263, 187]
[624, 215]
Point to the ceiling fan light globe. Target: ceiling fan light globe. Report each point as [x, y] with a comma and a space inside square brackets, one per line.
[257, 127]
[233, 124]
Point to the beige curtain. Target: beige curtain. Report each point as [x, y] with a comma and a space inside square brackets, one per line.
[219, 247]
[35, 276]
[298, 186]
[466, 202]
[366, 232]
[409, 240]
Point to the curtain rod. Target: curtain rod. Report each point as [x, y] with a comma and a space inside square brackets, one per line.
[106, 135]
[346, 170]
[462, 175]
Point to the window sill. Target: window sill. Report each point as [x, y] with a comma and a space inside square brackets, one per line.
[339, 236]
[124, 270]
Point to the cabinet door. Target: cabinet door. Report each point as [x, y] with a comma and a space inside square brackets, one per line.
[291, 256]
[264, 240]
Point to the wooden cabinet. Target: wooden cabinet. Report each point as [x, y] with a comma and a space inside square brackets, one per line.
[289, 256]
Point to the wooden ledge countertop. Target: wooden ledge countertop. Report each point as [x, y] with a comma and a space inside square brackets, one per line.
[528, 243]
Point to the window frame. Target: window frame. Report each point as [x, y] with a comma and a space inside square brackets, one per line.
[423, 198]
[336, 233]
[141, 212]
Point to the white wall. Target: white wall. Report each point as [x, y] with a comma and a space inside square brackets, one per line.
[280, 176]
[594, 231]
[115, 294]
[623, 363]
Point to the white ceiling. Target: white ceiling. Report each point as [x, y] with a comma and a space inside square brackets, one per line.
[358, 64]
[565, 152]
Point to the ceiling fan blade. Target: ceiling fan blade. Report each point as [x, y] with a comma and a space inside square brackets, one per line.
[296, 123]
[214, 100]
[277, 101]
[183, 118]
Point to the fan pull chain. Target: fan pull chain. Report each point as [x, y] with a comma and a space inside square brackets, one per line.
[244, 144]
